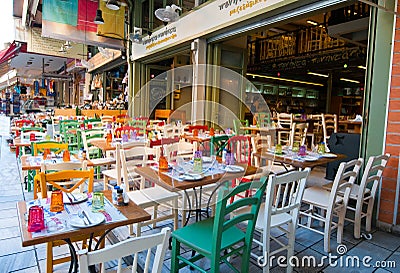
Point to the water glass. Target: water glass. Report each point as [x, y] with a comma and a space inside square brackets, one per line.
[35, 219]
[56, 203]
[98, 202]
[125, 138]
[296, 147]
[302, 150]
[321, 148]
[278, 149]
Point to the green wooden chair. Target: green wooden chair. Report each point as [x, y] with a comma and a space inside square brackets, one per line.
[237, 123]
[217, 144]
[69, 130]
[218, 238]
[95, 123]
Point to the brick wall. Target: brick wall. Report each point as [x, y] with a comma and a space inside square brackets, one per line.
[389, 179]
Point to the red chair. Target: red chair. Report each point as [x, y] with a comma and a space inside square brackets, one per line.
[24, 122]
[197, 127]
[240, 148]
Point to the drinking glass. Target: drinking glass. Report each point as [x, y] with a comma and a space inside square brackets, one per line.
[56, 203]
[296, 147]
[66, 156]
[302, 150]
[98, 202]
[195, 132]
[32, 137]
[212, 131]
[278, 149]
[90, 126]
[321, 148]
[35, 219]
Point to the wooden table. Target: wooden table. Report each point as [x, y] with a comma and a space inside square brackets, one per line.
[173, 185]
[297, 163]
[132, 212]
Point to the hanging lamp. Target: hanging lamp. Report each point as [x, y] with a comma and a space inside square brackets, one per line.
[112, 4]
[98, 20]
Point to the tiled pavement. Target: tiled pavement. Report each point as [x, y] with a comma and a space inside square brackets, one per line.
[15, 258]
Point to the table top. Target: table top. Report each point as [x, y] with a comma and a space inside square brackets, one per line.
[297, 163]
[132, 212]
[26, 162]
[162, 179]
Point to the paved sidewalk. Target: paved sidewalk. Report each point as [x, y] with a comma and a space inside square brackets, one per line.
[15, 258]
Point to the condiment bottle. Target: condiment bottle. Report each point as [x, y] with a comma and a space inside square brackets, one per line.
[114, 195]
[120, 197]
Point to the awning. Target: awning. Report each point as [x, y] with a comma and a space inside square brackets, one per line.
[10, 52]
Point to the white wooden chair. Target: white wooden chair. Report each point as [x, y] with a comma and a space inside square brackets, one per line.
[114, 174]
[131, 246]
[364, 194]
[150, 197]
[285, 122]
[330, 202]
[329, 126]
[281, 211]
[93, 152]
[298, 133]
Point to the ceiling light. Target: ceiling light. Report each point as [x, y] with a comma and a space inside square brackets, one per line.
[112, 4]
[318, 74]
[348, 80]
[312, 23]
[362, 67]
[286, 80]
[99, 17]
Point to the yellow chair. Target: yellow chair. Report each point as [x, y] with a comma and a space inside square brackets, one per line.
[76, 178]
[56, 147]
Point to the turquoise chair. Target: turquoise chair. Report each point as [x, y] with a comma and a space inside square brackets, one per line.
[218, 238]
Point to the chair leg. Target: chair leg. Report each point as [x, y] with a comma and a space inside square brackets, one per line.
[174, 255]
[291, 242]
[155, 215]
[368, 218]
[105, 186]
[49, 257]
[138, 229]
[327, 235]
[357, 221]
[342, 215]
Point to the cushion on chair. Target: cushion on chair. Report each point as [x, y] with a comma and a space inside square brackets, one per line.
[203, 232]
[151, 196]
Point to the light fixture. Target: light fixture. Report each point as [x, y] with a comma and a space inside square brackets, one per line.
[99, 17]
[318, 74]
[283, 79]
[112, 4]
[67, 45]
[362, 67]
[312, 23]
[348, 80]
